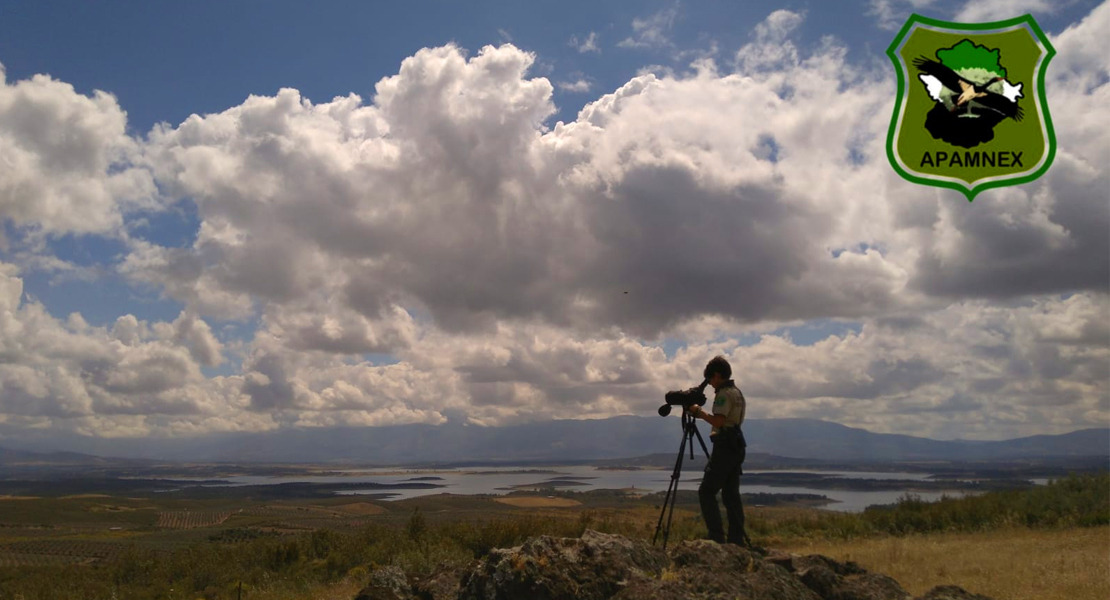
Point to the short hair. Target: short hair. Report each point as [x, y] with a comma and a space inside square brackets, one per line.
[718, 365]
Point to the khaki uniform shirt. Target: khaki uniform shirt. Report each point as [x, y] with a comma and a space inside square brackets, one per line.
[729, 402]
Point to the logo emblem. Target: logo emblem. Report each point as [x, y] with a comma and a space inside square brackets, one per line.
[971, 112]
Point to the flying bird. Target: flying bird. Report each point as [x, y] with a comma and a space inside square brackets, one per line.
[966, 91]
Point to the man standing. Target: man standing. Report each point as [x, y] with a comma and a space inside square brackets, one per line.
[722, 474]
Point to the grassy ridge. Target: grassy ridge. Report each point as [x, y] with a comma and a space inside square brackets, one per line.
[272, 564]
[1075, 501]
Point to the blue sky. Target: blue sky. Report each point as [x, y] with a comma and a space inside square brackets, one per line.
[165, 61]
[820, 265]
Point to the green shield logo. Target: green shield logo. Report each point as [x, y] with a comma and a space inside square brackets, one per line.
[971, 112]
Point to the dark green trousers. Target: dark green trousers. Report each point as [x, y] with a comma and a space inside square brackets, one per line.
[722, 474]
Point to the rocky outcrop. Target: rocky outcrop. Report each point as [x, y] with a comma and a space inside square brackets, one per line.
[832, 580]
[387, 583]
[600, 566]
[593, 567]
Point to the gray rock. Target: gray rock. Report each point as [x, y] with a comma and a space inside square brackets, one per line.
[801, 563]
[712, 570]
[862, 586]
[600, 566]
[594, 567]
[443, 584]
[834, 580]
[386, 583]
[950, 592]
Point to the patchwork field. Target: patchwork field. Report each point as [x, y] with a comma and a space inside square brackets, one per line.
[538, 502]
[190, 519]
[86, 529]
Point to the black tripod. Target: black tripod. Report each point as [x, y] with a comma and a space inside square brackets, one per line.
[689, 431]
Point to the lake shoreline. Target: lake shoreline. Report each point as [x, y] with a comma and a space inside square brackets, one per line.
[842, 489]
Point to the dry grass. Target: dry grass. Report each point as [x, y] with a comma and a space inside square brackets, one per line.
[342, 590]
[538, 502]
[1013, 564]
[360, 508]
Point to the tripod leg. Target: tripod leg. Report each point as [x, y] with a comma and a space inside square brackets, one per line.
[686, 435]
[670, 515]
[672, 491]
[701, 440]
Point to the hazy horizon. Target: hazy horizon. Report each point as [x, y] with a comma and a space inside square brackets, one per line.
[623, 437]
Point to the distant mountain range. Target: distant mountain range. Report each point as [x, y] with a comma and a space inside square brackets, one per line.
[617, 437]
[9, 456]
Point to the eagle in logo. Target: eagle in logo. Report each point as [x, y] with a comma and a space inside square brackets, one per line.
[971, 92]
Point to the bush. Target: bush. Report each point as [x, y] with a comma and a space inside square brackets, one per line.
[1075, 501]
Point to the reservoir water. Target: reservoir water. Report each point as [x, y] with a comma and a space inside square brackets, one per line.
[504, 479]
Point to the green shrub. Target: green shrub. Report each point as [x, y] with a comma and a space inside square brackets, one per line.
[1075, 501]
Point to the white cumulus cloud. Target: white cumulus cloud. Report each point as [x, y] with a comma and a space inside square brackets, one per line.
[65, 159]
[513, 269]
